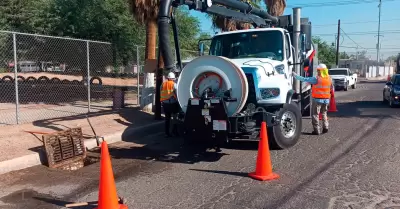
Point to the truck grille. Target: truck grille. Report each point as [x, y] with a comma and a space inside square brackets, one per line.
[252, 96]
[338, 81]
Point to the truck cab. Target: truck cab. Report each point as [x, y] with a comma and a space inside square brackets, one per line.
[267, 56]
[265, 62]
[343, 78]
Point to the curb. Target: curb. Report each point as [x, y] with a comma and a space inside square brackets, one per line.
[34, 159]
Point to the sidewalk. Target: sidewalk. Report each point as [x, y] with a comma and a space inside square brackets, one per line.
[20, 149]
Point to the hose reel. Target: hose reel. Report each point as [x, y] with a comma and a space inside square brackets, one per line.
[214, 76]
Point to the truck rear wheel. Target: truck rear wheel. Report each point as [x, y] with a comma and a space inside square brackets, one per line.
[288, 130]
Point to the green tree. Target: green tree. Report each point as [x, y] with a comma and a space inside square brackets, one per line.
[392, 58]
[343, 55]
[102, 20]
[15, 15]
[326, 52]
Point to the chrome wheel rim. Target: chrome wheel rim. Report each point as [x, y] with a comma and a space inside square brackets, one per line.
[288, 124]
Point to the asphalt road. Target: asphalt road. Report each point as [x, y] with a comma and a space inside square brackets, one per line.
[355, 165]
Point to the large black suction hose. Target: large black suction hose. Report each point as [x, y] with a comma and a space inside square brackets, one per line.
[163, 34]
[234, 4]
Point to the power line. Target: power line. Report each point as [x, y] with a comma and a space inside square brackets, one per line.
[354, 47]
[353, 23]
[350, 38]
[336, 3]
[363, 33]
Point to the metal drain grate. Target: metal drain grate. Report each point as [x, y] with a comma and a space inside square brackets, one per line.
[64, 147]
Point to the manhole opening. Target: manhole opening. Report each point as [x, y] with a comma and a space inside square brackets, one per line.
[91, 158]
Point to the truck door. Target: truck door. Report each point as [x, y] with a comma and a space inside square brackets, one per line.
[289, 52]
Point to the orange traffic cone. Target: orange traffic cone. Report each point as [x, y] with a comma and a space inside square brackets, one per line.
[332, 102]
[263, 167]
[108, 198]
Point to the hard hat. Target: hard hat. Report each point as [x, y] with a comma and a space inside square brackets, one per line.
[171, 75]
[321, 67]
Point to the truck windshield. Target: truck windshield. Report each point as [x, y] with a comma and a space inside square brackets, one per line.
[337, 72]
[258, 44]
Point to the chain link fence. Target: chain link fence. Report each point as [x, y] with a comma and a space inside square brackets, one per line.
[45, 77]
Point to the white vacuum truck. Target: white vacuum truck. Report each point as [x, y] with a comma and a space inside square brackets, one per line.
[246, 77]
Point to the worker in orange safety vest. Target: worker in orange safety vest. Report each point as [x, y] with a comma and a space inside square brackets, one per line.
[321, 94]
[169, 102]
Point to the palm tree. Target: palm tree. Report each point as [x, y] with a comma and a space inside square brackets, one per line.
[275, 7]
[231, 25]
[145, 12]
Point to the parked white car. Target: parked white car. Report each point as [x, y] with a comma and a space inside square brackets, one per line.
[343, 78]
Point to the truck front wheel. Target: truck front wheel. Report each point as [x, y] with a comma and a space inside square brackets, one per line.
[288, 130]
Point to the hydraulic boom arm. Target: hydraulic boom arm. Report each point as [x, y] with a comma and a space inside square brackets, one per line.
[246, 13]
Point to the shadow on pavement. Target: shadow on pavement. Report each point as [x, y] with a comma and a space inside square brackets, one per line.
[362, 109]
[167, 150]
[239, 174]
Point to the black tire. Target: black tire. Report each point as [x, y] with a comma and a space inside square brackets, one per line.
[7, 78]
[31, 79]
[391, 103]
[21, 78]
[346, 87]
[65, 81]
[75, 82]
[100, 82]
[275, 134]
[55, 80]
[44, 79]
[384, 100]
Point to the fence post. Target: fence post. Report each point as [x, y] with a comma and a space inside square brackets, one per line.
[16, 78]
[88, 73]
[137, 74]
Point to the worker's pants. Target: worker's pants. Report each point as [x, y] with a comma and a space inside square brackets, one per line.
[170, 110]
[316, 109]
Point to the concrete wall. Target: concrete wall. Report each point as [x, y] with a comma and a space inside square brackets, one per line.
[372, 71]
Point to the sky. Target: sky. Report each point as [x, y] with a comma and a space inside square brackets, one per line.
[359, 23]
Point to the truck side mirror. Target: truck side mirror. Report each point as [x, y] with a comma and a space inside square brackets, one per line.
[201, 49]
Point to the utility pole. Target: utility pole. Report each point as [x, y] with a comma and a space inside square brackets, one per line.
[337, 44]
[357, 53]
[379, 31]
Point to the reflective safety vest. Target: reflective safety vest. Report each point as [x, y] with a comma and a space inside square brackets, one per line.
[167, 90]
[322, 90]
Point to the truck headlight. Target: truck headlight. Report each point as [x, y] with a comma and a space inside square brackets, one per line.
[280, 69]
[269, 93]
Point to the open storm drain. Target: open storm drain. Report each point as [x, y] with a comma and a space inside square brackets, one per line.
[65, 149]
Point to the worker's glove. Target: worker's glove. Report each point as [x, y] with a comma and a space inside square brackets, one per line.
[294, 73]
